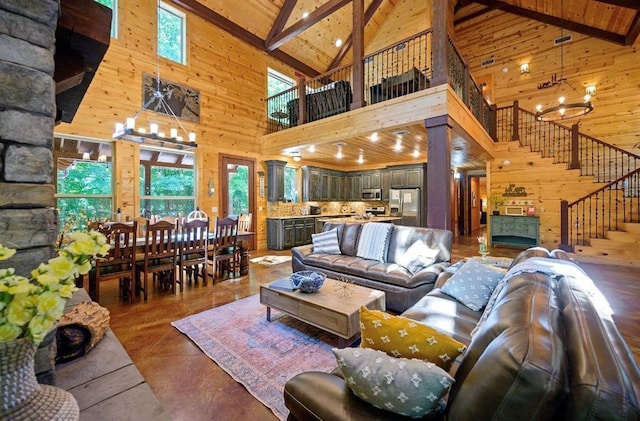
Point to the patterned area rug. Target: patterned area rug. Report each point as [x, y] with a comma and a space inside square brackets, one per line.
[260, 355]
[271, 260]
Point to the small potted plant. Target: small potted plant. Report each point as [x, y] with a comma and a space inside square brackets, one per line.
[497, 201]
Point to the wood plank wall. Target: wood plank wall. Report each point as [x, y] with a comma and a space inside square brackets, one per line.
[512, 40]
[231, 78]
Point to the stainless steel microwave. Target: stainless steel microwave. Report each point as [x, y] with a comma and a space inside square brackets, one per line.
[372, 194]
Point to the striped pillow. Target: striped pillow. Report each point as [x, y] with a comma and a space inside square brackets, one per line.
[374, 241]
[326, 242]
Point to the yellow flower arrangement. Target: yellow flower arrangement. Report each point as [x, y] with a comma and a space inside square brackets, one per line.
[30, 307]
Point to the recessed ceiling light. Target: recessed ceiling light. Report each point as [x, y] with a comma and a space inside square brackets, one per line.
[374, 137]
[304, 15]
[339, 42]
[339, 155]
[416, 153]
[312, 148]
[398, 146]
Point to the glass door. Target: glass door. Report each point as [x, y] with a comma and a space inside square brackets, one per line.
[238, 187]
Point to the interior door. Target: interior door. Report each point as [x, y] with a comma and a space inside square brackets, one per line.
[237, 185]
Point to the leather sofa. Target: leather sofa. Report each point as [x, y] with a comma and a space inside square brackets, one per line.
[546, 349]
[402, 288]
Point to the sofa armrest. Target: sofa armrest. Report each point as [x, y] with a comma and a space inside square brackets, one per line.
[323, 396]
[429, 274]
[298, 255]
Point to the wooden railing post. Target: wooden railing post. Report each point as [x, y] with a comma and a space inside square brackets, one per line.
[440, 42]
[493, 122]
[302, 102]
[564, 226]
[516, 125]
[574, 164]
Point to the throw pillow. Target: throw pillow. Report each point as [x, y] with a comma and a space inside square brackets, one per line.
[417, 257]
[374, 241]
[473, 284]
[326, 242]
[404, 386]
[402, 337]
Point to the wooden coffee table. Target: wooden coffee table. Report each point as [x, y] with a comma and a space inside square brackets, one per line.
[326, 309]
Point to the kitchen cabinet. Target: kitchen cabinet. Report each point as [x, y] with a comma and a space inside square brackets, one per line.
[408, 176]
[335, 186]
[385, 184]
[284, 233]
[275, 180]
[356, 187]
[371, 179]
[518, 231]
[310, 184]
[325, 185]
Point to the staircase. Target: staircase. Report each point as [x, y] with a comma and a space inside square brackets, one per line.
[603, 226]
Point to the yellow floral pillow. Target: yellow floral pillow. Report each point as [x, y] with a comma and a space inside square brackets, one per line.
[402, 337]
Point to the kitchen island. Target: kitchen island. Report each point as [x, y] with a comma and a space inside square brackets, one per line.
[360, 220]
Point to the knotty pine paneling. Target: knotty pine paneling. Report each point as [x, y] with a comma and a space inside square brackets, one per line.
[407, 18]
[512, 40]
[231, 78]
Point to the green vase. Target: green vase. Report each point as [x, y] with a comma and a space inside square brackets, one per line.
[22, 397]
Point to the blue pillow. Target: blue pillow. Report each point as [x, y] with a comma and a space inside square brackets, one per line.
[374, 241]
[326, 242]
[473, 284]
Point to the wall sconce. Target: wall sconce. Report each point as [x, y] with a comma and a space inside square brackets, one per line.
[524, 68]
[590, 90]
[210, 189]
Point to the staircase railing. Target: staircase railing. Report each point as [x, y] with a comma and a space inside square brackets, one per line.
[565, 144]
[601, 211]
[593, 215]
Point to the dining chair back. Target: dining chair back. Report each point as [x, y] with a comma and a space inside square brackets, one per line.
[192, 255]
[244, 223]
[225, 254]
[159, 257]
[119, 262]
[142, 226]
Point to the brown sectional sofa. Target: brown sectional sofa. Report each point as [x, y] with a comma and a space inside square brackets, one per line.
[547, 349]
[402, 288]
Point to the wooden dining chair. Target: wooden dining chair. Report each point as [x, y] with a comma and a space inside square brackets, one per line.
[225, 252]
[192, 255]
[142, 226]
[119, 262]
[159, 257]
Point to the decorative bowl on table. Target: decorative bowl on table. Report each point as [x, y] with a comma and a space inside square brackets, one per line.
[307, 280]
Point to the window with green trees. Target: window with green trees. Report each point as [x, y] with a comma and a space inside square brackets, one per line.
[290, 184]
[167, 188]
[171, 33]
[239, 190]
[277, 83]
[113, 5]
[84, 188]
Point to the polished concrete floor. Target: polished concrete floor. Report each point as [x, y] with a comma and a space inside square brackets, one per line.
[192, 387]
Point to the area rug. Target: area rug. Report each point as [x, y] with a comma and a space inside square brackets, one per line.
[271, 260]
[260, 355]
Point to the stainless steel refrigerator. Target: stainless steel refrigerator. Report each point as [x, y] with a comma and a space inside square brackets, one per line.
[406, 203]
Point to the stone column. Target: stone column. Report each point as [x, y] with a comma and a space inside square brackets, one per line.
[28, 221]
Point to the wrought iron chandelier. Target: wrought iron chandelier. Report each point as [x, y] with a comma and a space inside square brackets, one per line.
[128, 131]
[562, 110]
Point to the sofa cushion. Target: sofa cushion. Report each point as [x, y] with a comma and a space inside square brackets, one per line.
[418, 257]
[404, 386]
[402, 337]
[326, 242]
[473, 284]
[374, 241]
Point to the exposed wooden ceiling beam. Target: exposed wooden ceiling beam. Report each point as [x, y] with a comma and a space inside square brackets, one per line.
[473, 15]
[281, 19]
[302, 25]
[198, 9]
[634, 30]
[556, 21]
[373, 7]
[630, 4]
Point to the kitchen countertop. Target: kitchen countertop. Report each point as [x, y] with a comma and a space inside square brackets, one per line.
[350, 219]
[324, 215]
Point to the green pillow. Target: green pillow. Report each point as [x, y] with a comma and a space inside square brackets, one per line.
[410, 387]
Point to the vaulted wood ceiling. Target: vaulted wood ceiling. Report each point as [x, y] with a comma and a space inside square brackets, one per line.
[307, 43]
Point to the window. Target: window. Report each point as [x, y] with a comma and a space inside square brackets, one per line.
[290, 184]
[277, 83]
[113, 5]
[83, 172]
[171, 33]
[167, 182]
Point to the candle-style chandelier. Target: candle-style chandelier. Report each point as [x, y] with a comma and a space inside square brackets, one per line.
[562, 110]
[183, 140]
